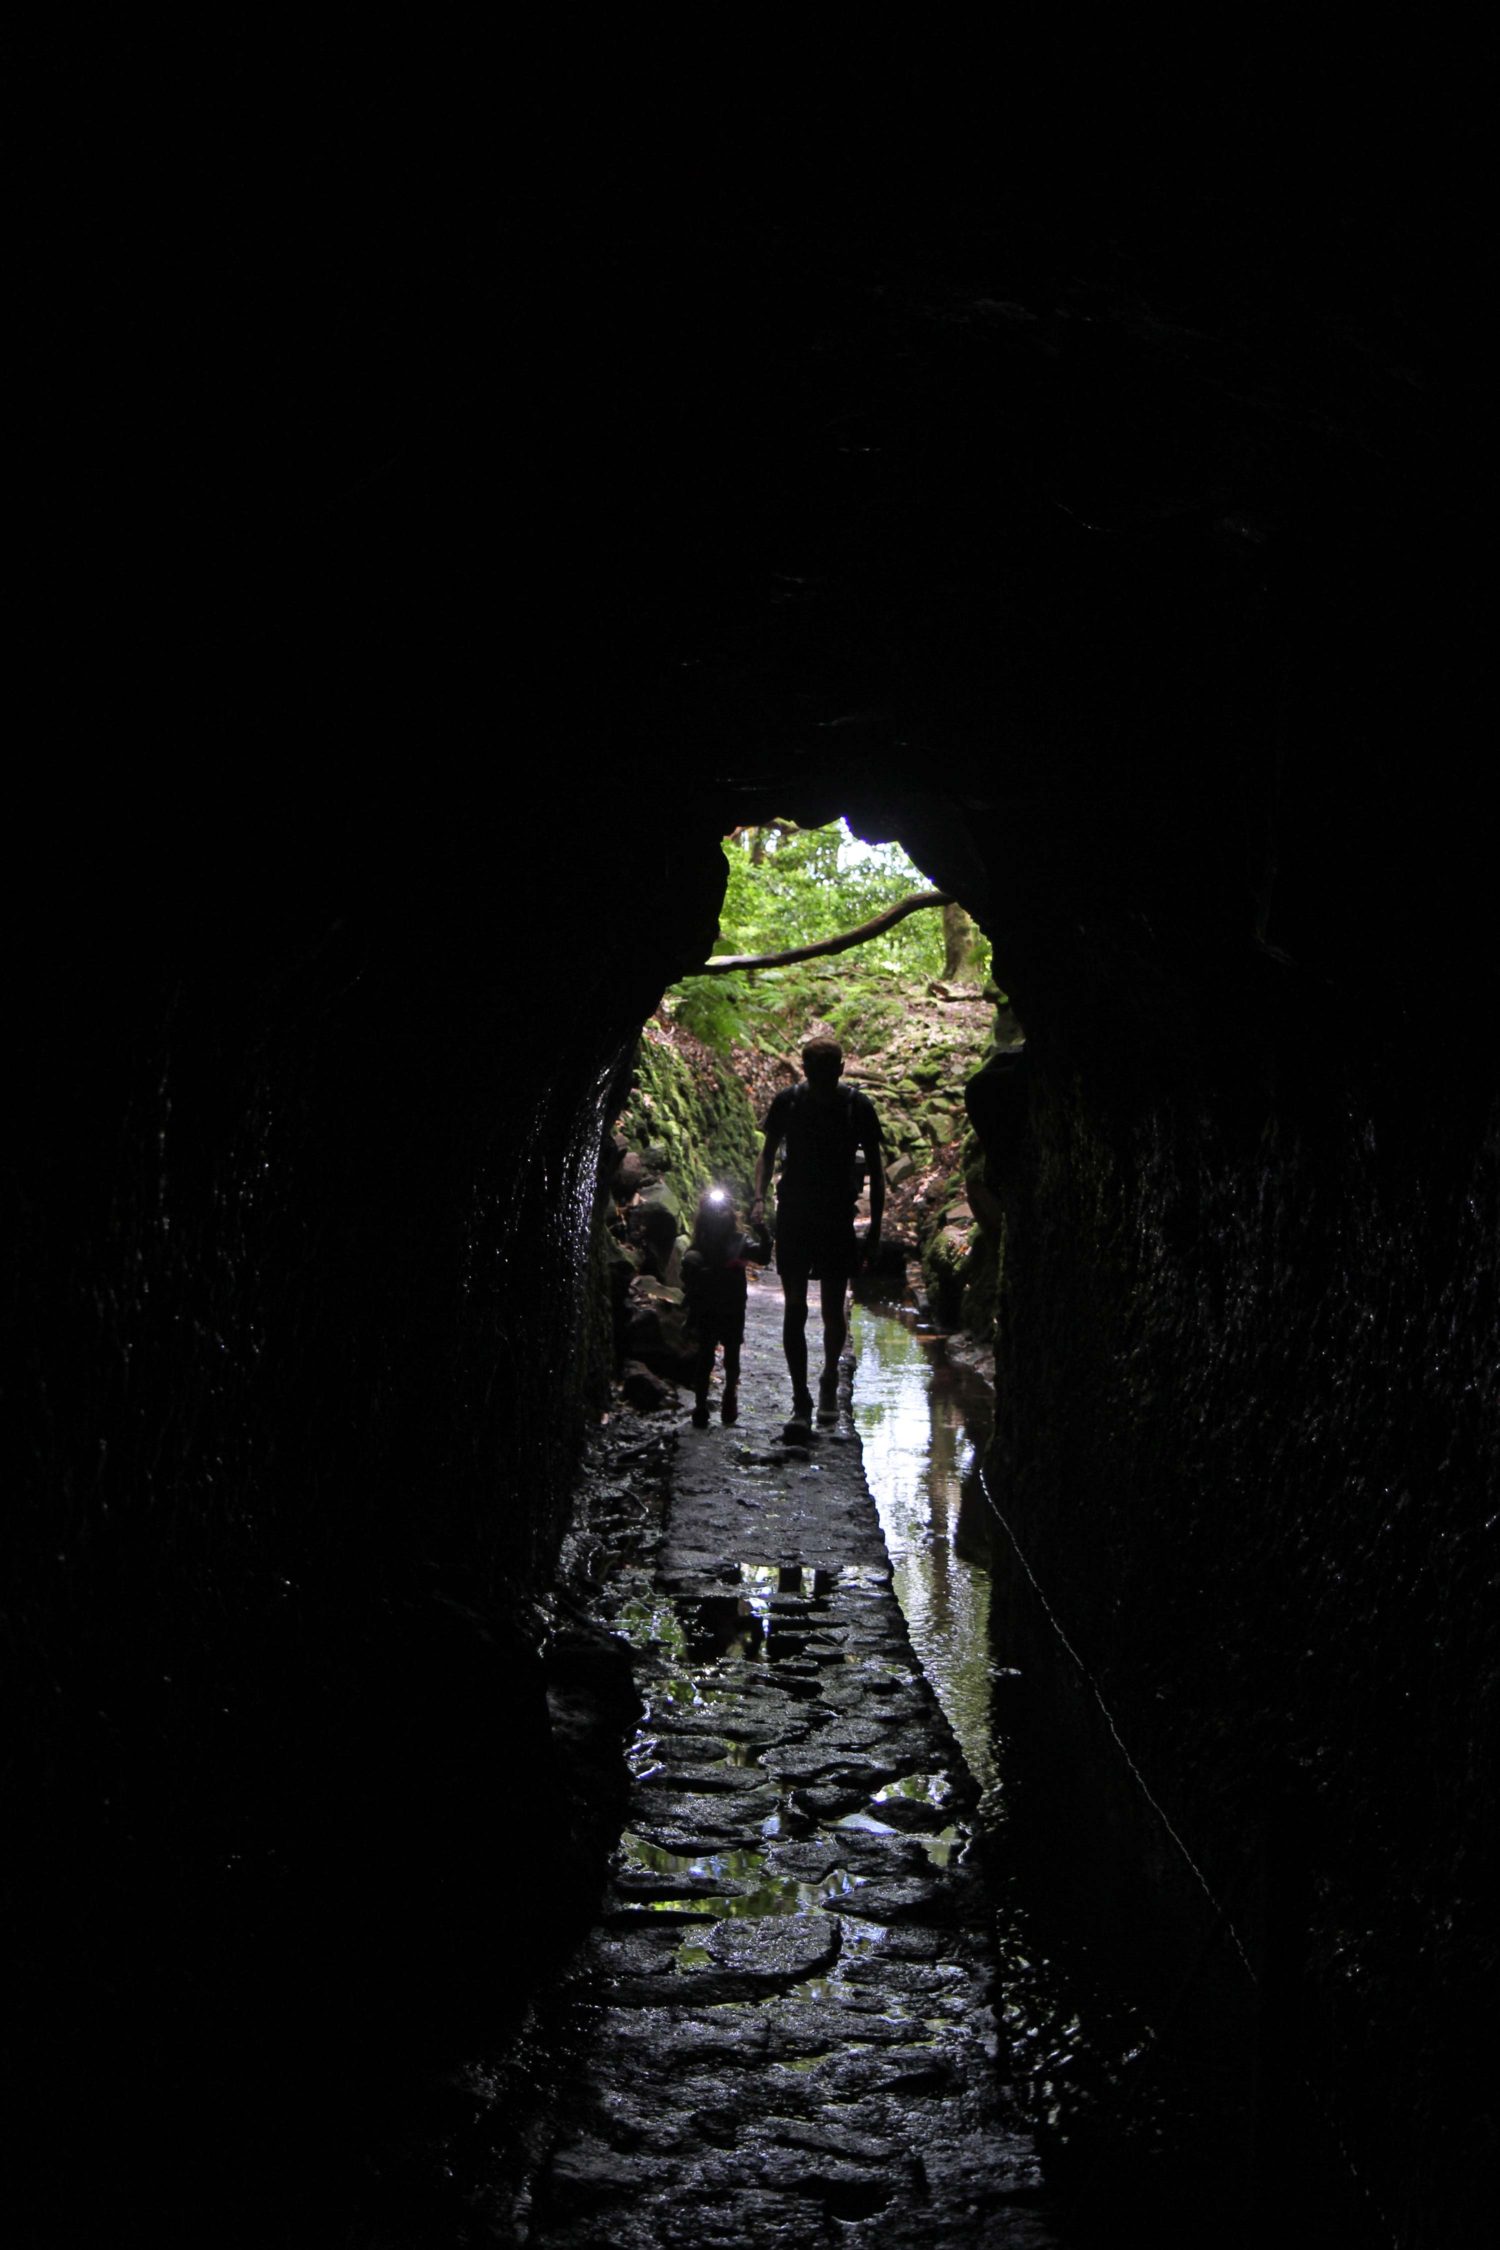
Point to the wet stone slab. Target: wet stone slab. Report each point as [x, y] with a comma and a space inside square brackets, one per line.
[780, 2031]
[777, 1949]
[720, 1780]
[702, 1822]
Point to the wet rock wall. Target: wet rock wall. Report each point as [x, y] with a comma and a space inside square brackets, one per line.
[304, 1173]
[1259, 1338]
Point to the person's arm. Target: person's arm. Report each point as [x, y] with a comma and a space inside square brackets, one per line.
[775, 1134]
[756, 1245]
[767, 1158]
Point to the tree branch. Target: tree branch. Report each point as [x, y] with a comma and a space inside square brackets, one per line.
[723, 964]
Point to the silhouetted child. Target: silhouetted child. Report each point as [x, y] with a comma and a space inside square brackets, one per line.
[715, 1284]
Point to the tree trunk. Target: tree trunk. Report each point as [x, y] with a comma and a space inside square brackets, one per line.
[960, 946]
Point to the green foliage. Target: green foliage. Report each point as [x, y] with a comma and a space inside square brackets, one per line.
[866, 1013]
[791, 886]
[701, 1117]
[715, 1010]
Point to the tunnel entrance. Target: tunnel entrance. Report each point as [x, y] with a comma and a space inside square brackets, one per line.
[823, 934]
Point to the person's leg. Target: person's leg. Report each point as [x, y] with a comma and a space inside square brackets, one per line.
[834, 1293]
[794, 1330]
[703, 1369]
[794, 1265]
[729, 1405]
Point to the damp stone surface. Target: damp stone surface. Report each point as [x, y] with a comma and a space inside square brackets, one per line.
[780, 2030]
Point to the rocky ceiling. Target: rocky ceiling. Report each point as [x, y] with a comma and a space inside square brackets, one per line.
[1083, 486]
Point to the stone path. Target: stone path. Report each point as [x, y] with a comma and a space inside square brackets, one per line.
[781, 2030]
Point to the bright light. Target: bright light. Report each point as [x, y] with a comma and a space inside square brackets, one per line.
[855, 852]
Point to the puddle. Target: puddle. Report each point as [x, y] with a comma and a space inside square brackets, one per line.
[720, 1625]
[942, 1848]
[924, 1427]
[756, 1893]
[737, 1865]
[770, 1613]
[916, 1788]
[651, 1622]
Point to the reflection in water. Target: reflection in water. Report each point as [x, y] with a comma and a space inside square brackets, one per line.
[1078, 2050]
[1110, 2101]
[924, 1427]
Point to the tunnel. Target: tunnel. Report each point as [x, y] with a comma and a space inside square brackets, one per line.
[414, 604]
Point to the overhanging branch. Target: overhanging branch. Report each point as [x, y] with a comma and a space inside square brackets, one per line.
[723, 964]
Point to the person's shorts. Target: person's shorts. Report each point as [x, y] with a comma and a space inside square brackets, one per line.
[809, 1247]
[726, 1326]
[716, 1310]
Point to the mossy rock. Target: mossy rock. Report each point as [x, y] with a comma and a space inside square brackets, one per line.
[701, 1121]
[945, 1264]
[980, 1301]
[662, 1196]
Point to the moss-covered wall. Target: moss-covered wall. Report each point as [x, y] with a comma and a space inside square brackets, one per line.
[687, 1101]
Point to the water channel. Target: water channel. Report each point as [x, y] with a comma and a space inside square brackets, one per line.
[924, 1426]
[1078, 2049]
[1117, 2111]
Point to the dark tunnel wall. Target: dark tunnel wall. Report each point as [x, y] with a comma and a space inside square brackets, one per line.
[1260, 1339]
[302, 1211]
[400, 662]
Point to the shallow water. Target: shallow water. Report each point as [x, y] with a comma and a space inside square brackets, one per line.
[924, 1427]
[1074, 2042]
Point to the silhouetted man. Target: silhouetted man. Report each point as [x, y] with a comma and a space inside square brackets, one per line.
[832, 1138]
